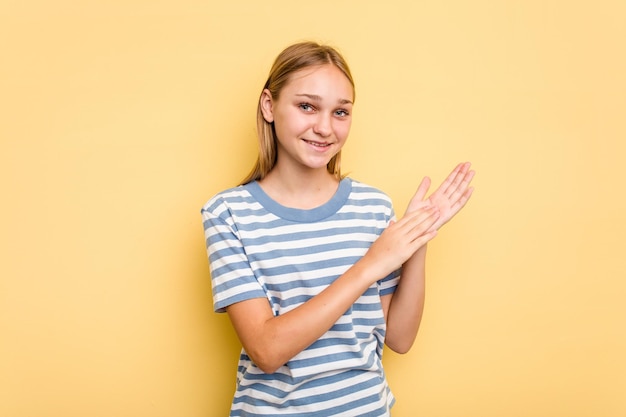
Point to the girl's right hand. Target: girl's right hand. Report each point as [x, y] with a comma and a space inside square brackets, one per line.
[401, 240]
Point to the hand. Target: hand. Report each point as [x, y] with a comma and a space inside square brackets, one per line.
[449, 197]
[401, 239]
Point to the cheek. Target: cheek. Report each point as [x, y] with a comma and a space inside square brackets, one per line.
[287, 126]
[342, 130]
[294, 123]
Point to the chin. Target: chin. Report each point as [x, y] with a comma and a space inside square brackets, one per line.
[318, 165]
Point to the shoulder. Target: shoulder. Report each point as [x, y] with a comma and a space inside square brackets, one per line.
[227, 200]
[368, 193]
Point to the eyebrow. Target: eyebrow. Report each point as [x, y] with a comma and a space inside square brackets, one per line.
[315, 97]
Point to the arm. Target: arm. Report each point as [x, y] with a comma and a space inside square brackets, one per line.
[271, 341]
[403, 309]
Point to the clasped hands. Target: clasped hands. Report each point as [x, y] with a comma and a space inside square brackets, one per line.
[423, 217]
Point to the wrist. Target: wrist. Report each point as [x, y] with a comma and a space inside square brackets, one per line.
[419, 256]
[368, 270]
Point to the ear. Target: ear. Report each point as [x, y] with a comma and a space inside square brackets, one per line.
[267, 105]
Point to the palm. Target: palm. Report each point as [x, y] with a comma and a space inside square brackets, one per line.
[449, 197]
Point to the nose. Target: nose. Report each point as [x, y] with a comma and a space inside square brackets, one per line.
[323, 125]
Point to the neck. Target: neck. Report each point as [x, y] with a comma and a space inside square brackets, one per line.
[300, 190]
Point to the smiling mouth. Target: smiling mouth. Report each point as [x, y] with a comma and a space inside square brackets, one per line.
[317, 144]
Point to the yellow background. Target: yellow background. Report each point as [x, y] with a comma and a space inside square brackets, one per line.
[119, 119]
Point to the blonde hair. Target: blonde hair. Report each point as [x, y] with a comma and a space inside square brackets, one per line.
[292, 59]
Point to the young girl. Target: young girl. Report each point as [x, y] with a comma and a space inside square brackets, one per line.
[311, 266]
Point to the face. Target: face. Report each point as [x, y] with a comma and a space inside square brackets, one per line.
[312, 117]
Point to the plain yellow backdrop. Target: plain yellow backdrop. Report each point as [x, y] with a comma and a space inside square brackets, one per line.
[119, 119]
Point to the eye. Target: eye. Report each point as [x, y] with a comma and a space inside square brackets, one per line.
[341, 113]
[306, 107]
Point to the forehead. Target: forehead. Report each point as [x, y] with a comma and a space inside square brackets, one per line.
[320, 79]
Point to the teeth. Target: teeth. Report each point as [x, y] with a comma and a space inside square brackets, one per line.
[321, 145]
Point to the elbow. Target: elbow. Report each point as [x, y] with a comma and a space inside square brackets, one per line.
[401, 347]
[402, 350]
[267, 361]
[267, 367]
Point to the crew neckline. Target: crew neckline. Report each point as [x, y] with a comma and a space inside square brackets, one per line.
[302, 215]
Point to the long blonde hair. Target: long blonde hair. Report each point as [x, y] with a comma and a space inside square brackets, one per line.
[290, 60]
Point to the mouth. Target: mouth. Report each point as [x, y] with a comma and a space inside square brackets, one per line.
[317, 144]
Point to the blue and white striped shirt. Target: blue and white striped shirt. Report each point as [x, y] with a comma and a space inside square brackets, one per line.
[258, 248]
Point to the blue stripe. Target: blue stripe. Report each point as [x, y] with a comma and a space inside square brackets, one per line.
[311, 266]
[232, 283]
[327, 248]
[221, 305]
[351, 219]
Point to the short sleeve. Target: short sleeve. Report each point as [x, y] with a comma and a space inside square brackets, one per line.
[232, 278]
[389, 284]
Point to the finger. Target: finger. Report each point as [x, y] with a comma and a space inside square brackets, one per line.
[428, 223]
[463, 200]
[417, 200]
[422, 222]
[414, 218]
[445, 186]
[422, 189]
[461, 187]
[423, 239]
[446, 183]
[455, 179]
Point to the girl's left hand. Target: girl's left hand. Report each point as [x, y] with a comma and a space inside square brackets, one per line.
[449, 197]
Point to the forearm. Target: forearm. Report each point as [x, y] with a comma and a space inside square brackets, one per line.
[271, 341]
[407, 304]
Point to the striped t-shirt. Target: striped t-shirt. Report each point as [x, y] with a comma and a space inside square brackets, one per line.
[258, 248]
